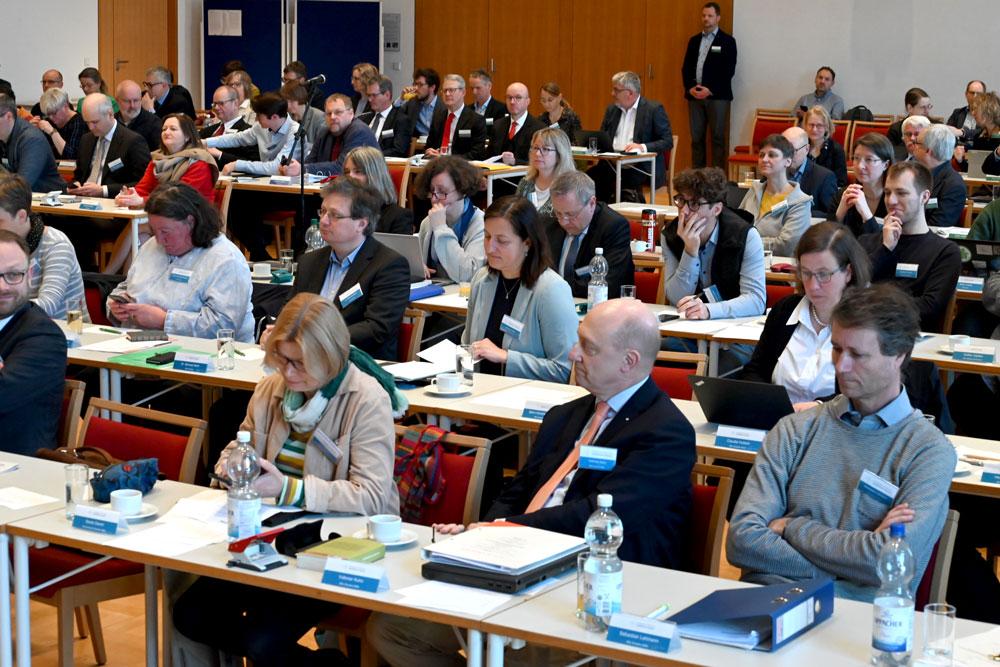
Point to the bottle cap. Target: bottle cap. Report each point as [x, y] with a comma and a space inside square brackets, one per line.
[897, 530]
[604, 500]
[598, 251]
[243, 436]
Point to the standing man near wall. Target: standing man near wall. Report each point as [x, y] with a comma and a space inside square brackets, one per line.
[709, 65]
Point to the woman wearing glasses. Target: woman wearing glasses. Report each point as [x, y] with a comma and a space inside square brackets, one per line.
[550, 155]
[366, 165]
[779, 207]
[862, 203]
[451, 236]
[823, 149]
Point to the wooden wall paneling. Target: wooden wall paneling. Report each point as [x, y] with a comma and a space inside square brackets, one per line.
[451, 35]
[133, 36]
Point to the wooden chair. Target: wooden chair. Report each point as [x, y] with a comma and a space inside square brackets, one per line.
[410, 334]
[776, 113]
[114, 578]
[282, 222]
[970, 212]
[95, 305]
[72, 407]
[400, 175]
[708, 511]
[223, 195]
[860, 128]
[669, 158]
[673, 381]
[841, 131]
[934, 585]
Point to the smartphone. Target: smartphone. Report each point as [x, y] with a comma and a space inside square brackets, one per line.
[161, 359]
[121, 298]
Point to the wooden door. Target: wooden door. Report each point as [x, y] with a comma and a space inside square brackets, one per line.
[451, 35]
[134, 35]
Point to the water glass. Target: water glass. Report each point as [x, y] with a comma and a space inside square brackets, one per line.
[768, 254]
[77, 481]
[74, 315]
[592, 145]
[224, 342]
[465, 364]
[581, 584]
[939, 633]
[628, 291]
[286, 256]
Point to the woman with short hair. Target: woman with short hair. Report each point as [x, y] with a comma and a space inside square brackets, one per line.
[823, 148]
[780, 209]
[451, 236]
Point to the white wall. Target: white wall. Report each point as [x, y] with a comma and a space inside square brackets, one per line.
[879, 49]
[398, 66]
[47, 34]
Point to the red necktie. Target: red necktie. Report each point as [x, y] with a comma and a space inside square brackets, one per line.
[220, 130]
[513, 129]
[338, 143]
[446, 139]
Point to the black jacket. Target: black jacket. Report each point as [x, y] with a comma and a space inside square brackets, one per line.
[250, 153]
[821, 183]
[652, 127]
[720, 65]
[178, 100]
[147, 125]
[607, 230]
[469, 139]
[124, 164]
[394, 138]
[394, 219]
[520, 144]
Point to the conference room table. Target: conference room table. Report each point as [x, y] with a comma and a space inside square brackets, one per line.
[108, 211]
[491, 171]
[617, 161]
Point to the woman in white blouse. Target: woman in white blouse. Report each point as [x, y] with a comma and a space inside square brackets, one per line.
[549, 156]
[795, 350]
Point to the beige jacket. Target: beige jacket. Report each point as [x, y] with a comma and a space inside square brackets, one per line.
[359, 422]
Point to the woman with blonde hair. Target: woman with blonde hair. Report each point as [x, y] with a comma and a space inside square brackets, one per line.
[549, 156]
[823, 148]
[366, 164]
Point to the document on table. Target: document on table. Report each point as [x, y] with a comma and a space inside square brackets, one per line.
[172, 538]
[442, 354]
[749, 333]
[122, 345]
[16, 498]
[515, 398]
[978, 650]
[503, 548]
[209, 507]
[696, 326]
[409, 371]
[7, 466]
[453, 598]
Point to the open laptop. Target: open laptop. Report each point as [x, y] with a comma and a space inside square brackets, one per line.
[975, 161]
[740, 403]
[501, 582]
[407, 245]
[582, 138]
[979, 258]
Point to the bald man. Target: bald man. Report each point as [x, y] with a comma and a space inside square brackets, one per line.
[814, 179]
[653, 447]
[145, 123]
[511, 136]
[52, 78]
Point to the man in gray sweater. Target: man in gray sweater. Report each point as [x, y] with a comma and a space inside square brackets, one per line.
[828, 482]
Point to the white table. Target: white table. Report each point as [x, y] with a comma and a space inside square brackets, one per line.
[619, 160]
[108, 211]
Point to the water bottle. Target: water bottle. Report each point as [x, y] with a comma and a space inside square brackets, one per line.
[314, 238]
[597, 288]
[892, 623]
[243, 503]
[603, 581]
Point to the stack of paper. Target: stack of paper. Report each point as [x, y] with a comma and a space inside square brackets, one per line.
[506, 548]
[453, 598]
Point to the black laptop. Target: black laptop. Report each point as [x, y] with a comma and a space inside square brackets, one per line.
[740, 403]
[501, 582]
[979, 258]
[582, 138]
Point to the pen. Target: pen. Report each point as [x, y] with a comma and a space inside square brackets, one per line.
[433, 534]
[237, 351]
[659, 611]
[109, 330]
[220, 479]
[966, 459]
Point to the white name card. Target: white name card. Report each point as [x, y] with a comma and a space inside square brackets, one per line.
[984, 354]
[194, 362]
[970, 284]
[733, 437]
[991, 473]
[96, 519]
[647, 633]
[356, 576]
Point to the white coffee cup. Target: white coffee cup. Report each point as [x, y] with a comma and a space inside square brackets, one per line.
[385, 528]
[958, 339]
[261, 270]
[127, 502]
[639, 246]
[447, 382]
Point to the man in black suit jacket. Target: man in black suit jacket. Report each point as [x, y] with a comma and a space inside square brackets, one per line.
[514, 150]
[649, 483]
[420, 108]
[389, 124]
[163, 97]
[709, 65]
[581, 216]
[483, 102]
[637, 124]
[814, 179]
[344, 133]
[125, 152]
[131, 114]
[367, 281]
[32, 358]
[226, 107]
[934, 148]
[466, 135]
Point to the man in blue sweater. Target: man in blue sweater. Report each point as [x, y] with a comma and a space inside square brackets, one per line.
[25, 151]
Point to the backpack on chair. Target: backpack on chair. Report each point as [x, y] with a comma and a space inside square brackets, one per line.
[417, 471]
[860, 112]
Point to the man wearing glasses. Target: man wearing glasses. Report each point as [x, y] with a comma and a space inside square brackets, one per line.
[32, 357]
[296, 72]
[713, 260]
[52, 78]
[131, 114]
[163, 97]
[419, 101]
[814, 179]
[226, 109]
[456, 129]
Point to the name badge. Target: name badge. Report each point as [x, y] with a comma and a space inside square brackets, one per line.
[327, 446]
[356, 576]
[489, 122]
[387, 134]
[180, 275]
[535, 410]
[932, 204]
[583, 270]
[983, 354]
[712, 294]
[465, 133]
[194, 362]
[778, 208]
[640, 632]
[593, 457]
[875, 487]
[350, 296]
[715, 49]
[991, 473]
[970, 284]
[5, 162]
[91, 206]
[733, 437]
[96, 519]
[116, 164]
[554, 126]
[511, 327]
[904, 270]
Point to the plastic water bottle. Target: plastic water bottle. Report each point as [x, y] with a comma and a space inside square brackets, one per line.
[314, 239]
[892, 624]
[597, 288]
[243, 503]
[603, 574]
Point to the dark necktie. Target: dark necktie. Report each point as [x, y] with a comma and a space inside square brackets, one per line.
[338, 144]
[574, 250]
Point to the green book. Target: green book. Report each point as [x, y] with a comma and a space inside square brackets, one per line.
[347, 548]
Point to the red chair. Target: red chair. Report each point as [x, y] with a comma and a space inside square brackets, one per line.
[841, 131]
[776, 293]
[649, 286]
[708, 514]
[672, 380]
[400, 175]
[862, 127]
[763, 125]
[178, 454]
[410, 334]
[95, 305]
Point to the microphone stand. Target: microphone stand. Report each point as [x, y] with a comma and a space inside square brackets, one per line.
[301, 134]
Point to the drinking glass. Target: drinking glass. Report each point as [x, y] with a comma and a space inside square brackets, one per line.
[77, 481]
[74, 316]
[939, 633]
[224, 342]
[628, 292]
[465, 364]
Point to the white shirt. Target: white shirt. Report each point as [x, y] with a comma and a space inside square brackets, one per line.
[626, 127]
[378, 121]
[805, 367]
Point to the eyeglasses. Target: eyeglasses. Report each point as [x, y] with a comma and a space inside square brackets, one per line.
[796, 150]
[440, 194]
[449, 91]
[691, 204]
[515, 98]
[565, 216]
[54, 82]
[618, 90]
[543, 150]
[297, 365]
[150, 84]
[870, 160]
[14, 277]
[333, 215]
[223, 102]
[821, 277]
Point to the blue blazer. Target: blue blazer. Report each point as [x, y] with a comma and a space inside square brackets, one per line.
[548, 314]
[318, 161]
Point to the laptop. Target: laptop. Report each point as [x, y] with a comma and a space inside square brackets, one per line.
[975, 160]
[501, 582]
[582, 138]
[741, 403]
[407, 245]
[979, 258]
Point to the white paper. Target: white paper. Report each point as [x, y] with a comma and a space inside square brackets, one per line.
[204, 506]
[504, 547]
[416, 370]
[100, 329]
[122, 345]
[516, 397]
[250, 353]
[453, 598]
[744, 332]
[7, 466]
[491, 160]
[975, 650]
[695, 326]
[225, 23]
[171, 539]
[18, 499]
[442, 354]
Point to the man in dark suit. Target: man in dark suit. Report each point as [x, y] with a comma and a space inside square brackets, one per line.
[483, 102]
[389, 124]
[814, 179]
[456, 128]
[421, 107]
[32, 357]
[934, 148]
[650, 482]
[163, 97]
[226, 107]
[586, 224]
[635, 124]
[131, 114]
[961, 120]
[111, 155]
[367, 281]
[24, 150]
[511, 137]
[709, 65]
[344, 132]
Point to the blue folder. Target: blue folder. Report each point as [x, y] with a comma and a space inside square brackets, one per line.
[426, 291]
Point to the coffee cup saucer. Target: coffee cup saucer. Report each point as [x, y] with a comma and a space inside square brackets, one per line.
[406, 537]
[461, 391]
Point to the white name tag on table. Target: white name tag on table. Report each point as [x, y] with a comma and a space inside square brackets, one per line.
[970, 283]
[641, 632]
[97, 519]
[194, 362]
[991, 473]
[985, 354]
[734, 437]
[356, 576]
[536, 409]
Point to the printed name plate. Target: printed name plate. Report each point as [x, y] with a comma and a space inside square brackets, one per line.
[593, 457]
[643, 632]
[96, 519]
[991, 473]
[193, 362]
[970, 283]
[356, 576]
[733, 437]
[984, 354]
[535, 409]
